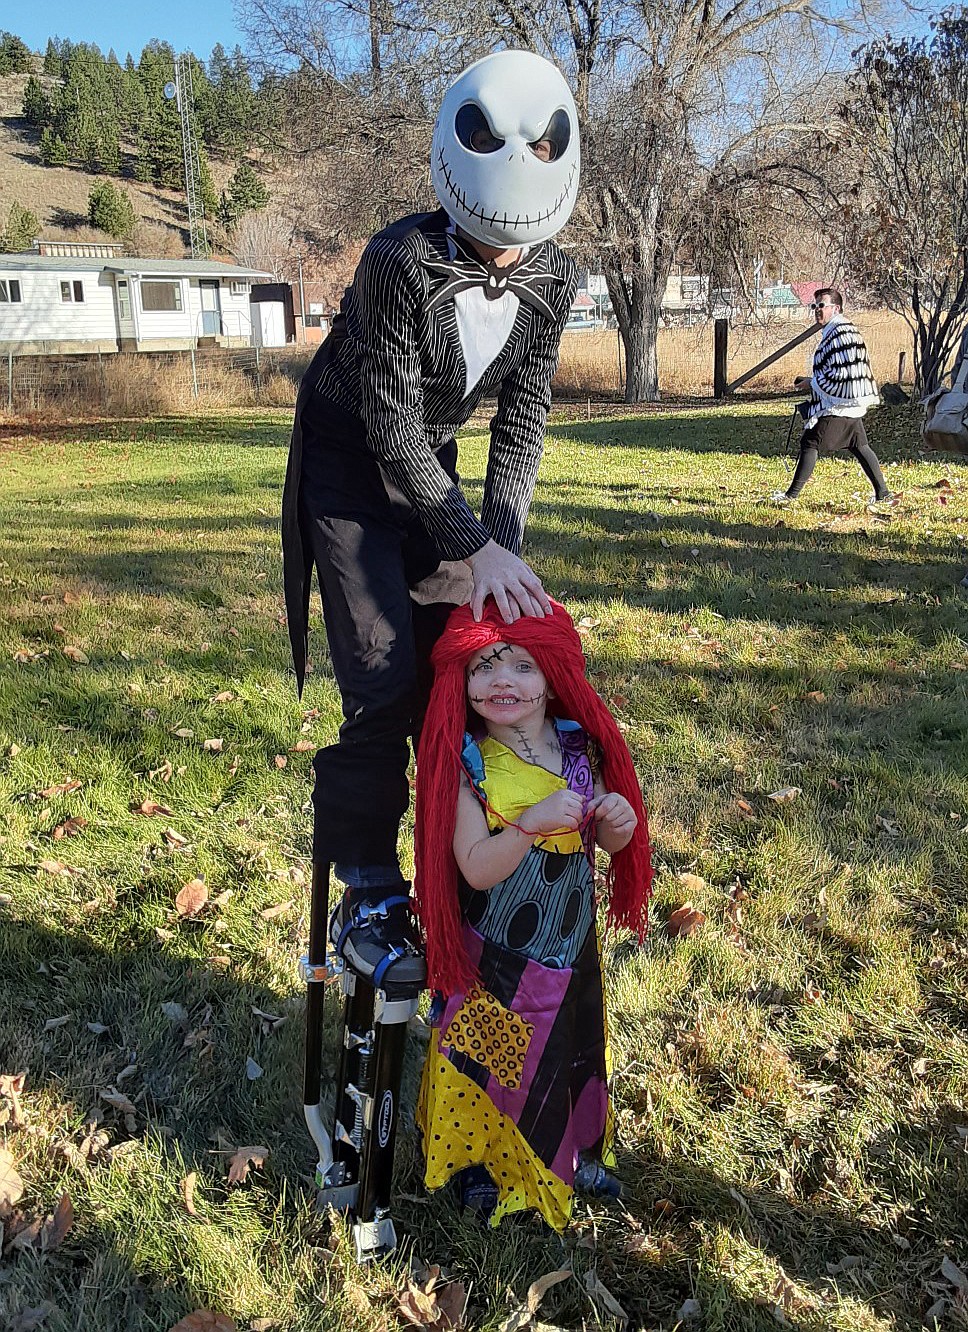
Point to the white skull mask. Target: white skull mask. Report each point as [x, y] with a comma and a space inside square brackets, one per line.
[496, 117]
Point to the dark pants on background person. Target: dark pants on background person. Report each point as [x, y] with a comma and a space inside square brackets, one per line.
[837, 434]
[370, 550]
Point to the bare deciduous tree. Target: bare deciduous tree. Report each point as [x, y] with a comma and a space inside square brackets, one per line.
[906, 215]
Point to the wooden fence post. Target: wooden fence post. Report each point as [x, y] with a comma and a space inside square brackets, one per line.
[720, 347]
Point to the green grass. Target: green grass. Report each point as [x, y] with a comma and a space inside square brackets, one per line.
[791, 1084]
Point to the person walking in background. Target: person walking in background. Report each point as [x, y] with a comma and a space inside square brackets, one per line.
[842, 387]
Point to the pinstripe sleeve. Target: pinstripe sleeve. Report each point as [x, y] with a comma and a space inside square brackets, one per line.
[388, 293]
[517, 431]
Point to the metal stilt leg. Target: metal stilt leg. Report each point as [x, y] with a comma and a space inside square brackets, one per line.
[355, 1169]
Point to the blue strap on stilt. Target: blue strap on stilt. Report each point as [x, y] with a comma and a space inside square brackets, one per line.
[358, 917]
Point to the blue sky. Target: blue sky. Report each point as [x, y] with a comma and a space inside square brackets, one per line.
[125, 26]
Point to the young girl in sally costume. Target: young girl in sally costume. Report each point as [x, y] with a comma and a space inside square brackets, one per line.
[522, 771]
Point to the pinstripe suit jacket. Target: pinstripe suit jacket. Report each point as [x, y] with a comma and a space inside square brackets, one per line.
[391, 377]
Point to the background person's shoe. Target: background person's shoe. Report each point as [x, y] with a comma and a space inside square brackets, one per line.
[476, 1191]
[883, 501]
[781, 497]
[378, 938]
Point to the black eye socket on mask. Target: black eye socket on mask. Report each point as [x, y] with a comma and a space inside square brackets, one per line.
[474, 132]
[557, 136]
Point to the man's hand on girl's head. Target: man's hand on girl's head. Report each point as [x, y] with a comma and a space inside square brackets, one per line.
[514, 585]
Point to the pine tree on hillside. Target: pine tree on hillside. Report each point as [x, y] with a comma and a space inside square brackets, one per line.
[37, 108]
[15, 57]
[111, 210]
[245, 194]
[21, 231]
[53, 64]
[53, 149]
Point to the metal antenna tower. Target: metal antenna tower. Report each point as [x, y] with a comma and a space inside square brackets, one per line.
[184, 96]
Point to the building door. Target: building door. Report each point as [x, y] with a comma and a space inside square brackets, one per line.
[211, 307]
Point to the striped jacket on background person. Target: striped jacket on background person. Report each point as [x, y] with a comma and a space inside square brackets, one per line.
[841, 375]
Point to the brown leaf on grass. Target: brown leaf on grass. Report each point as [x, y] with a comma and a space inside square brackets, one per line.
[59, 789]
[53, 1023]
[57, 867]
[164, 773]
[223, 696]
[174, 839]
[943, 484]
[685, 920]
[887, 825]
[302, 747]
[118, 1100]
[538, 1289]
[691, 882]
[11, 1185]
[191, 898]
[11, 1087]
[268, 1021]
[430, 1302]
[603, 1298]
[69, 828]
[214, 745]
[188, 1193]
[75, 654]
[785, 796]
[22, 1232]
[279, 909]
[183, 732]
[242, 1158]
[149, 808]
[815, 696]
[280, 760]
[57, 1227]
[204, 1320]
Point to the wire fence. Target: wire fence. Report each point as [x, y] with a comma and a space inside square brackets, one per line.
[592, 364]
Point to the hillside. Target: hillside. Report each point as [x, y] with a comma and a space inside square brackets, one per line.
[58, 194]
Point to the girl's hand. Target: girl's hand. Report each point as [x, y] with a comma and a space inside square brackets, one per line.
[562, 811]
[614, 816]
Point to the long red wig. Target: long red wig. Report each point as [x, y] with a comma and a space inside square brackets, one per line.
[556, 647]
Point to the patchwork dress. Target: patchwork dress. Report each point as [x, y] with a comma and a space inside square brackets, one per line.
[516, 1074]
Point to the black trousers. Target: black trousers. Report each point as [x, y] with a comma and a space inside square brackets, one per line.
[370, 551]
[837, 434]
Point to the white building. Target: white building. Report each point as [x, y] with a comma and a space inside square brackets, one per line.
[65, 297]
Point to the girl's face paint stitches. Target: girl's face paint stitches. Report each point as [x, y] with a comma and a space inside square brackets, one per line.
[506, 687]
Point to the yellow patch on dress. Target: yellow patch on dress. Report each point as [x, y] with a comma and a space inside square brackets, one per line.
[492, 1035]
[461, 1127]
[513, 785]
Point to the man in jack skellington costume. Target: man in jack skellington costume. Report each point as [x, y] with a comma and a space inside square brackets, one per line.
[445, 309]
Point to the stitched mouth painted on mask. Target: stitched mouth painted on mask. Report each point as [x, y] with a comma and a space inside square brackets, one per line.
[476, 209]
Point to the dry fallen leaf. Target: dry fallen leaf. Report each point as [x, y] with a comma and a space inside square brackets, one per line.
[242, 1158]
[302, 747]
[691, 882]
[60, 788]
[53, 1023]
[951, 1272]
[538, 1289]
[815, 696]
[117, 1099]
[57, 1227]
[75, 654]
[183, 732]
[280, 760]
[785, 796]
[223, 696]
[174, 839]
[11, 1185]
[746, 809]
[431, 1302]
[252, 1069]
[685, 920]
[191, 898]
[11, 1087]
[188, 1193]
[54, 867]
[603, 1298]
[149, 808]
[204, 1320]
[69, 828]
[279, 909]
[214, 745]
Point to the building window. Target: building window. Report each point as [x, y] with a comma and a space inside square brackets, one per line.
[72, 291]
[240, 288]
[124, 299]
[161, 296]
[10, 291]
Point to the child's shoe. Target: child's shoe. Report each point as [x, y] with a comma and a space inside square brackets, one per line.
[593, 1179]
